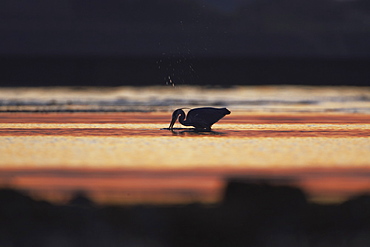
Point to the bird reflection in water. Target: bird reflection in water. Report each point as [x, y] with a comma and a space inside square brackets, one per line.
[194, 132]
[201, 119]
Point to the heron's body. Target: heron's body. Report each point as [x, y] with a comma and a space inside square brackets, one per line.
[200, 118]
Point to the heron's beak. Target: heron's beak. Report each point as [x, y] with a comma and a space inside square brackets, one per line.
[174, 118]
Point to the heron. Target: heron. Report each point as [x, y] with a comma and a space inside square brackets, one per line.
[201, 118]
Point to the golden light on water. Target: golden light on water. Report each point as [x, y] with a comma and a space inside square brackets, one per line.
[129, 158]
[110, 142]
[178, 152]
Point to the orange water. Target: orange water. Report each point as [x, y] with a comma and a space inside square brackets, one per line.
[128, 158]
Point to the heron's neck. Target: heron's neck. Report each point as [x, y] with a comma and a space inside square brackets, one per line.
[182, 119]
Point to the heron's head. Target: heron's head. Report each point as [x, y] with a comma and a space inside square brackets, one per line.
[175, 114]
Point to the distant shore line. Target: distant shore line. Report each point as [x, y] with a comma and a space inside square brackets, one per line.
[66, 70]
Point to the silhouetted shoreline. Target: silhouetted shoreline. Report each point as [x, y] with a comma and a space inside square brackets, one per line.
[251, 213]
[164, 70]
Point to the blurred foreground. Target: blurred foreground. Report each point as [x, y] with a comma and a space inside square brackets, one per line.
[251, 213]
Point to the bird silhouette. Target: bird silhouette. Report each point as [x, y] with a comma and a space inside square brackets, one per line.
[201, 118]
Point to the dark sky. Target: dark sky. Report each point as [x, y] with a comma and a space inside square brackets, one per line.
[326, 28]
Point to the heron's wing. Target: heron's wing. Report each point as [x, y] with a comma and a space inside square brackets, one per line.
[205, 117]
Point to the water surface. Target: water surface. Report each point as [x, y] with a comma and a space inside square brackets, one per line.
[112, 143]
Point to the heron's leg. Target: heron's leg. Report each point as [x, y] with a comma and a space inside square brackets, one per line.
[203, 129]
